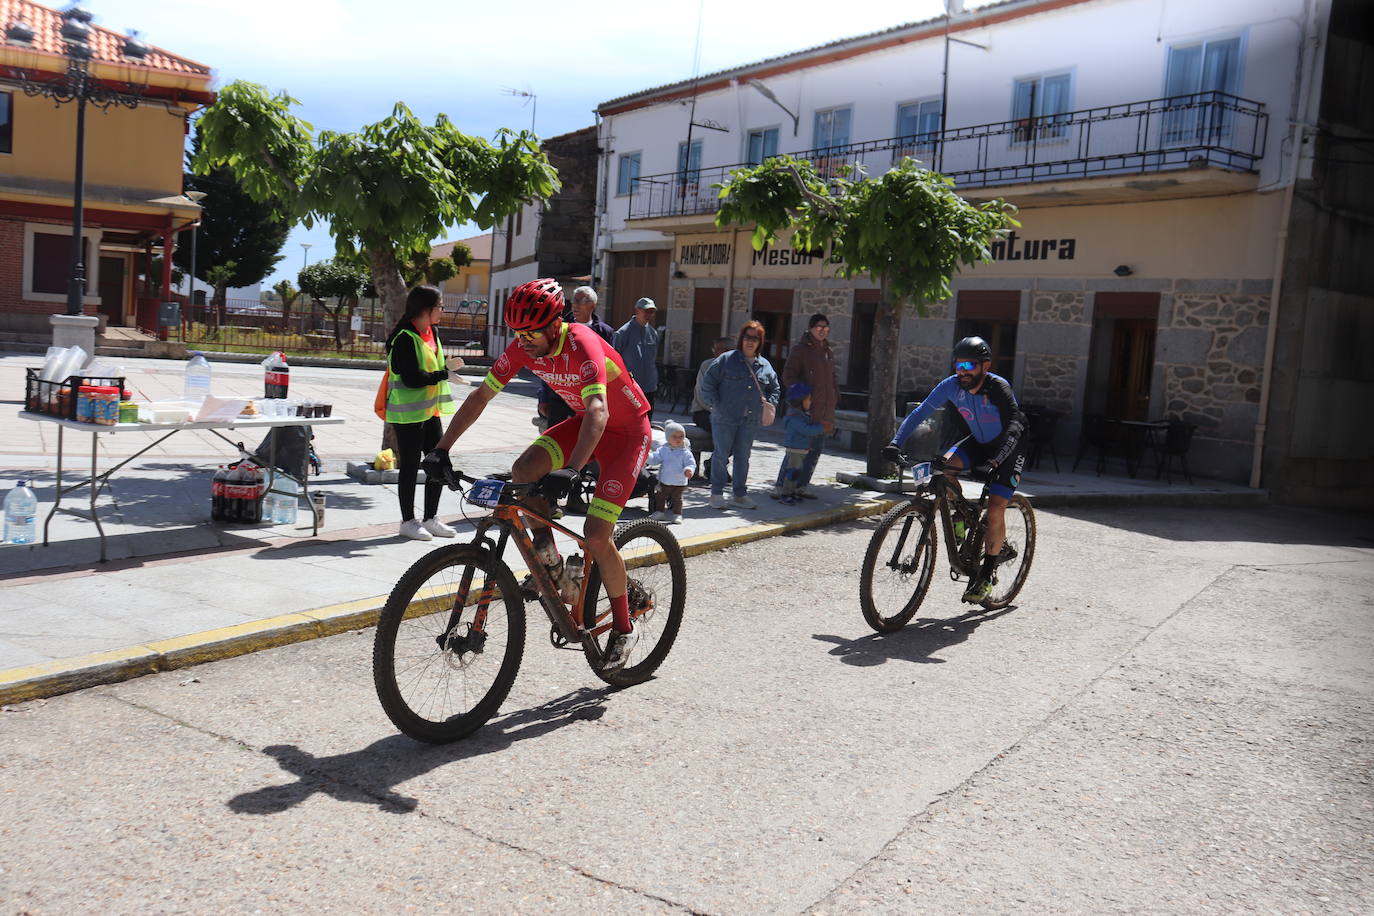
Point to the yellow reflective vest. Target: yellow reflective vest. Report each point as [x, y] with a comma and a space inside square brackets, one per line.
[415, 405]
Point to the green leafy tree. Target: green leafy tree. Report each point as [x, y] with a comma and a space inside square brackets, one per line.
[908, 231]
[220, 277]
[386, 190]
[336, 280]
[234, 229]
[288, 295]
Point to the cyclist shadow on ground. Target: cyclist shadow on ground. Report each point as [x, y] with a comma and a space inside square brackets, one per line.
[917, 642]
[367, 776]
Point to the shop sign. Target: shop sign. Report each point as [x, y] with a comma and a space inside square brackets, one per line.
[1012, 248]
[703, 254]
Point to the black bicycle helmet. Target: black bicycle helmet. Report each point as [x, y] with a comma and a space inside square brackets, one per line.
[975, 348]
[534, 305]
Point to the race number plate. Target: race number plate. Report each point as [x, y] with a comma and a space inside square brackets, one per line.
[487, 493]
[920, 473]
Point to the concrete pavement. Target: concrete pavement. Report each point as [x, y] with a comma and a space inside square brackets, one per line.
[179, 589]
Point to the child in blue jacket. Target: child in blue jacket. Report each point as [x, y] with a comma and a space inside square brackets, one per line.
[676, 467]
[799, 431]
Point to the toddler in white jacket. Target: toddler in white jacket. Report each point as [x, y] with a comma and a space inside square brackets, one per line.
[676, 467]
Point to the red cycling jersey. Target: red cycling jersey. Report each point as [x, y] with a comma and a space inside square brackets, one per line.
[580, 365]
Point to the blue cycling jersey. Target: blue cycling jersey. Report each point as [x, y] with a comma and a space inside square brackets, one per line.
[990, 415]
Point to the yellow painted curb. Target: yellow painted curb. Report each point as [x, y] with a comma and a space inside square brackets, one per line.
[50, 679]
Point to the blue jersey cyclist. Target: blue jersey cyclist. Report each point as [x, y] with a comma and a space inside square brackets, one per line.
[610, 423]
[995, 424]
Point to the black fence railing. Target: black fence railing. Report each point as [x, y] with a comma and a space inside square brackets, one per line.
[1198, 130]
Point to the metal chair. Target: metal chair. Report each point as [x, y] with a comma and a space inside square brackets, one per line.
[1098, 433]
[1043, 424]
[1177, 439]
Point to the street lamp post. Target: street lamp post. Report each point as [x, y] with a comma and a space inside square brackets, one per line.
[77, 85]
[305, 254]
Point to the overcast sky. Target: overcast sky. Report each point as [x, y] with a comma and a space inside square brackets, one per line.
[350, 61]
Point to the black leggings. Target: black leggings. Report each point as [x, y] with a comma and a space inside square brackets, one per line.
[412, 441]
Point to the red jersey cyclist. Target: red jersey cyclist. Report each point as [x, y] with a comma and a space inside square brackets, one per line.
[610, 423]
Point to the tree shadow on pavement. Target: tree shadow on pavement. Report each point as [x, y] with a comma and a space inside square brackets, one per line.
[367, 776]
[917, 642]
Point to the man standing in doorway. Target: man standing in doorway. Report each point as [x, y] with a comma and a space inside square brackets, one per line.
[637, 343]
[812, 363]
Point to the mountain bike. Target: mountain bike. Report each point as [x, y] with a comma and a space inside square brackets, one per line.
[900, 560]
[451, 635]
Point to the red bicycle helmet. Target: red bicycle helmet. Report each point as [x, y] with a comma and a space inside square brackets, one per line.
[534, 305]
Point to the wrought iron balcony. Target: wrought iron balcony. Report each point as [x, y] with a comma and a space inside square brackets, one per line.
[1198, 130]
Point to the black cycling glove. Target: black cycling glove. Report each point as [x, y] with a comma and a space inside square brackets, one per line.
[437, 466]
[556, 484]
[893, 454]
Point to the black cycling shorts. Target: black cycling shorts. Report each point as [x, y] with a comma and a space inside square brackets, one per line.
[1006, 477]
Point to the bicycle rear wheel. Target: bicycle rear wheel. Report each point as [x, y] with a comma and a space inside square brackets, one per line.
[449, 643]
[658, 594]
[1012, 571]
[898, 566]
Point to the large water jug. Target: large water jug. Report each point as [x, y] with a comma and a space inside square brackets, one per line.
[289, 499]
[21, 515]
[197, 378]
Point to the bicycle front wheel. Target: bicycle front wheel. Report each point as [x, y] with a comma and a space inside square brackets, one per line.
[657, 590]
[449, 643]
[898, 566]
[1018, 549]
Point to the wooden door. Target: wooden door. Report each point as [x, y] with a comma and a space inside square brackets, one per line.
[111, 289]
[1128, 375]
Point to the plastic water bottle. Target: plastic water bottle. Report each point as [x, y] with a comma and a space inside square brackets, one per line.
[570, 582]
[290, 499]
[197, 386]
[21, 514]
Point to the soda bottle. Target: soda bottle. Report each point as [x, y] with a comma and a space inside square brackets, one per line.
[252, 495]
[21, 514]
[277, 378]
[217, 494]
[233, 495]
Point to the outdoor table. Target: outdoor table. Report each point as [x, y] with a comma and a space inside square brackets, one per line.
[98, 481]
[1139, 435]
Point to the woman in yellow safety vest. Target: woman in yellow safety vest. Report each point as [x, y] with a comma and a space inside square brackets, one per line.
[417, 395]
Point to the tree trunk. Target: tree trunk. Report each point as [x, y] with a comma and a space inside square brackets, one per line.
[882, 382]
[386, 277]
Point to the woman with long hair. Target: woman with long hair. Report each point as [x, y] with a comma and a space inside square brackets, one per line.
[417, 395]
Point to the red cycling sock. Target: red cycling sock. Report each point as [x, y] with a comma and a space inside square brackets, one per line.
[620, 614]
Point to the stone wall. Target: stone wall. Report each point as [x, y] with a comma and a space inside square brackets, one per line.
[1050, 381]
[1220, 392]
[1052, 356]
[680, 321]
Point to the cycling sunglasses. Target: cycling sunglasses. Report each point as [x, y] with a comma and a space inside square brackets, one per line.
[965, 365]
[531, 335]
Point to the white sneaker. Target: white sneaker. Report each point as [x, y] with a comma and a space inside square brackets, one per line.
[744, 502]
[662, 515]
[718, 501]
[675, 519]
[415, 531]
[438, 528]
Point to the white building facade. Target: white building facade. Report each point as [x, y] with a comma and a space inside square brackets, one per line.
[1147, 143]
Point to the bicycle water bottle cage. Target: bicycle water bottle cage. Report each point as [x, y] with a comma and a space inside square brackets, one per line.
[486, 492]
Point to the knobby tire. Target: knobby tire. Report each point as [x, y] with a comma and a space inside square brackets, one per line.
[437, 693]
